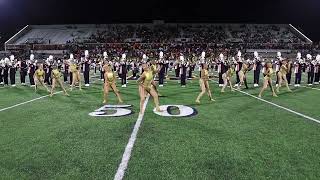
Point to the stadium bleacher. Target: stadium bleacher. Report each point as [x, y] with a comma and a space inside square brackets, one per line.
[149, 33]
[172, 38]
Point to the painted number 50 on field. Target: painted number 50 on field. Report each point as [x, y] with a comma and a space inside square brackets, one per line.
[125, 110]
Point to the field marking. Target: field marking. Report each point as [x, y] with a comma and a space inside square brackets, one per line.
[287, 109]
[27, 102]
[32, 100]
[311, 88]
[127, 153]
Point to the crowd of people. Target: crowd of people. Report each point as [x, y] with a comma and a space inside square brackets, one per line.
[264, 34]
[193, 33]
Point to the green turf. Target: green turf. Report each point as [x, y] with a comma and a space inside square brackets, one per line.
[236, 137]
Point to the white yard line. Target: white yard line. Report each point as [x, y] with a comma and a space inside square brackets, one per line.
[26, 102]
[127, 153]
[284, 108]
[311, 88]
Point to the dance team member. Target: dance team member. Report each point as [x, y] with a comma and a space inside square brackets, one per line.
[145, 87]
[242, 74]
[227, 78]
[282, 75]
[74, 69]
[55, 76]
[39, 77]
[110, 83]
[204, 84]
[267, 80]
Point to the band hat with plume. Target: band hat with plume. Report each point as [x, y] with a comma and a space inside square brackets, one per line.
[71, 56]
[86, 53]
[239, 54]
[181, 58]
[105, 54]
[278, 54]
[255, 54]
[298, 55]
[234, 60]
[309, 57]
[12, 57]
[144, 56]
[31, 57]
[123, 56]
[221, 56]
[6, 60]
[50, 58]
[203, 55]
[161, 55]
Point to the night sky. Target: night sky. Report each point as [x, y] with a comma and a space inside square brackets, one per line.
[304, 14]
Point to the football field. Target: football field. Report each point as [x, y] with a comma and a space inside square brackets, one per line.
[239, 136]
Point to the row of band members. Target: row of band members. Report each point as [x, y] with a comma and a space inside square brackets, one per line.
[182, 69]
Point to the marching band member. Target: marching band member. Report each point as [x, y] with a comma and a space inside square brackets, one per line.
[191, 66]
[183, 72]
[134, 69]
[238, 67]
[289, 72]
[317, 70]
[74, 69]
[310, 64]
[278, 65]
[145, 86]
[69, 68]
[162, 69]
[123, 71]
[204, 84]
[177, 68]
[2, 65]
[101, 64]
[48, 69]
[256, 69]
[55, 77]
[110, 84]
[12, 71]
[39, 77]
[66, 71]
[166, 64]
[267, 80]
[86, 72]
[23, 71]
[221, 68]
[6, 71]
[59, 64]
[227, 78]
[31, 70]
[86, 68]
[298, 70]
[282, 75]
[94, 65]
